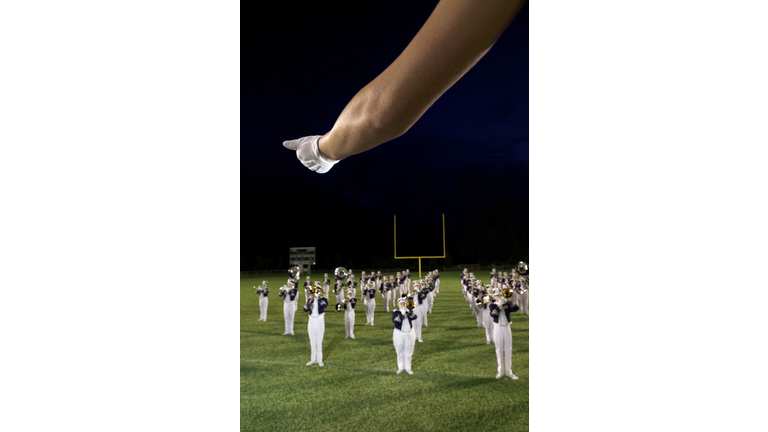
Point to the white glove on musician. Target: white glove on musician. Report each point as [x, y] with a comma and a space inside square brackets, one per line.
[309, 154]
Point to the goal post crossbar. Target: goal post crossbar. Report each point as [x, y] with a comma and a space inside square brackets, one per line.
[419, 257]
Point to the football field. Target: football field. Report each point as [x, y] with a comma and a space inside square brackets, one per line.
[453, 387]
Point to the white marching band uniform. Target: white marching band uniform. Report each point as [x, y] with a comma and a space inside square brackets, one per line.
[502, 335]
[263, 291]
[370, 294]
[289, 294]
[349, 314]
[316, 327]
[403, 336]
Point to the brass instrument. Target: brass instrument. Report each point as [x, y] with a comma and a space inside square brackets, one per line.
[522, 267]
[409, 303]
[340, 273]
[507, 292]
[341, 306]
[294, 272]
[317, 288]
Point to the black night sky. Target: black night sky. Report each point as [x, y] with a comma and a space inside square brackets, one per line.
[467, 157]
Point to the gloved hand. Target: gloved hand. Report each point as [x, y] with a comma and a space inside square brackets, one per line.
[309, 154]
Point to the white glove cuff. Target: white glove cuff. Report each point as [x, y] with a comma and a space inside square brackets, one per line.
[316, 152]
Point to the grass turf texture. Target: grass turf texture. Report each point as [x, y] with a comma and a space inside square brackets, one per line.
[453, 386]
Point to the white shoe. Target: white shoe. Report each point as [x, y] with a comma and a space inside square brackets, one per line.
[371, 324]
[321, 364]
[286, 333]
[398, 371]
[352, 337]
[421, 340]
[410, 372]
[499, 375]
[511, 375]
[487, 342]
[311, 363]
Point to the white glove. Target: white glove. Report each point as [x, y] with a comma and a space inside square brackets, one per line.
[309, 154]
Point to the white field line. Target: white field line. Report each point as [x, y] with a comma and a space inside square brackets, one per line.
[362, 369]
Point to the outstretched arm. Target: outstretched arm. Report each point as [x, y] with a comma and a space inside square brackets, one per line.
[457, 34]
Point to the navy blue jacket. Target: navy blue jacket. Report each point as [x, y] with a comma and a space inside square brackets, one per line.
[321, 305]
[422, 296]
[292, 292]
[371, 293]
[507, 308]
[397, 318]
[353, 302]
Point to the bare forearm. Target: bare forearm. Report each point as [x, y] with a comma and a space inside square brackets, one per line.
[454, 38]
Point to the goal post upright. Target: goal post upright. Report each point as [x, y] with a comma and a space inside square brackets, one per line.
[419, 257]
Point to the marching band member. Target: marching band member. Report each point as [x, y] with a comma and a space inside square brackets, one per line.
[316, 304]
[364, 293]
[473, 292]
[289, 293]
[338, 289]
[263, 301]
[418, 298]
[407, 280]
[371, 305]
[391, 290]
[326, 285]
[399, 282]
[352, 284]
[424, 292]
[524, 296]
[402, 336]
[349, 313]
[437, 281]
[502, 334]
[516, 284]
[378, 280]
[485, 312]
[430, 295]
[294, 283]
[493, 277]
[478, 294]
[307, 285]
[383, 289]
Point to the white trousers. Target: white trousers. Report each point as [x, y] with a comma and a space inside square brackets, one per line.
[430, 300]
[349, 322]
[524, 303]
[339, 298]
[480, 320]
[488, 321]
[316, 330]
[369, 308]
[385, 301]
[404, 343]
[289, 312]
[437, 286]
[263, 302]
[503, 340]
[417, 323]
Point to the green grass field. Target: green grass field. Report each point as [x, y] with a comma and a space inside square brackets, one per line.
[453, 387]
